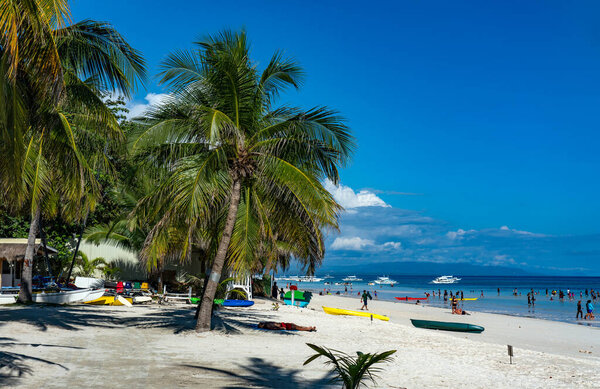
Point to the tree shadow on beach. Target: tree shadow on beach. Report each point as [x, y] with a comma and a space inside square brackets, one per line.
[179, 319]
[259, 373]
[14, 366]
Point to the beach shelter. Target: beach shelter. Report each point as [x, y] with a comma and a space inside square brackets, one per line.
[12, 252]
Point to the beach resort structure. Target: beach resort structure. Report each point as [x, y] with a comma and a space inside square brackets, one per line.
[12, 251]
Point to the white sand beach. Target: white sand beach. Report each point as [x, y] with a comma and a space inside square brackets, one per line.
[156, 347]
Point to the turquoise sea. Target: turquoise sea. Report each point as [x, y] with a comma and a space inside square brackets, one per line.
[473, 286]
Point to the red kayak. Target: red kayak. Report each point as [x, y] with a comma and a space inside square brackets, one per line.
[410, 298]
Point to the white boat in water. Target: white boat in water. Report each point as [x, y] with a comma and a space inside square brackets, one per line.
[62, 297]
[352, 279]
[8, 298]
[310, 279]
[446, 280]
[384, 281]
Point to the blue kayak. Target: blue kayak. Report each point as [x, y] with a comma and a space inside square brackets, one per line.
[237, 303]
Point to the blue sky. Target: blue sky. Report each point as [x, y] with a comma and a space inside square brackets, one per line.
[485, 112]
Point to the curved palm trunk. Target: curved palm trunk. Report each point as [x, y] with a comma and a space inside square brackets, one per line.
[212, 282]
[27, 275]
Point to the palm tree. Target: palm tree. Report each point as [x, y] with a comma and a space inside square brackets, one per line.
[50, 126]
[351, 371]
[238, 165]
[87, 267]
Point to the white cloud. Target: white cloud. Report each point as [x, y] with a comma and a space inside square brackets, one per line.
[458, 234]
[137, 109]
[520, 232]
[354, 243]
[348, 198]
[392, 245]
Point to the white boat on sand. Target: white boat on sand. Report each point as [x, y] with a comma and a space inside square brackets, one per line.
[8, 298]
[62, 297]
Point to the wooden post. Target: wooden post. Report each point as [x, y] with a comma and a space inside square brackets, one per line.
[510, 353]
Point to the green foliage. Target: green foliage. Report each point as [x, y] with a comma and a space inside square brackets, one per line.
[351, 371]
[87, 267]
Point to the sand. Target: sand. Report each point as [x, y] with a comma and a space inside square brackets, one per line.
[155, 347]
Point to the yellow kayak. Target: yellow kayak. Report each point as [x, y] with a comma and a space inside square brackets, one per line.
[108, 300]
[338, 311]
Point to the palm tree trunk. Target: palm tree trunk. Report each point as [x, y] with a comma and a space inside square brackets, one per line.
[160, 281]
[212, 282]
[27, 274]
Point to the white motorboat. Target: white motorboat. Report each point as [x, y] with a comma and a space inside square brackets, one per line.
[384, 281]
[309, 279]
[62, 297]
[446, 280]
[352, 279]
[8, 298]
[328, 276]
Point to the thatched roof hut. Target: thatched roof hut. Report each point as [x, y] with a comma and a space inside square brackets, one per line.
[13, 249]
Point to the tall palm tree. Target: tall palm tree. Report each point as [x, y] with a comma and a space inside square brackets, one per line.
[49, 134]
[237, 163]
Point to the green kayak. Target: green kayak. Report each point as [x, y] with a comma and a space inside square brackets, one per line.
[196, 300]
[447, 326]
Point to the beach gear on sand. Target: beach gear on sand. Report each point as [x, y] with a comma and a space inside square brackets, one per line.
[225, 303]
[410, 298]
[447, 326]
[301, 299]
[237, 303]
[339, 311]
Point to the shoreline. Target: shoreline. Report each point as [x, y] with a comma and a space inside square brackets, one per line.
[156, 346]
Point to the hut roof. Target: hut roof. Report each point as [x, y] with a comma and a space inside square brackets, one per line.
[12, 249]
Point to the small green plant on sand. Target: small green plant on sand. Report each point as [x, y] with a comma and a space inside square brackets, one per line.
[351, 371]
[275, 307]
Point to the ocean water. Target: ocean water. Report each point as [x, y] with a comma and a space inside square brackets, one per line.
[473, 286]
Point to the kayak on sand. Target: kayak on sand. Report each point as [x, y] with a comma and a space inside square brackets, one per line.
[338, 311]
[447, 326]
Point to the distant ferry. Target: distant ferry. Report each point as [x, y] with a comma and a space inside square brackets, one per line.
[384, 281]
[352, 279]
[446, 280]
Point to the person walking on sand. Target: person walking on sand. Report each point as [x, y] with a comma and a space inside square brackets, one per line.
[579, 311]
[366, 296]
[274, 290]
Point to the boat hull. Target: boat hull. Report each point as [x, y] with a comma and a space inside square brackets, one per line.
[447, 326]
[93, 295]
[347, 312]
[64, 297]
[8, 299]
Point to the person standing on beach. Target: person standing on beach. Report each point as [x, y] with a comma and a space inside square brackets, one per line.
[590, 309]
[528, 299]
[445, 295]
[346, 289]
[274, 290]
[579, 311]
[462, 295]
[365, 299]
[498, 291]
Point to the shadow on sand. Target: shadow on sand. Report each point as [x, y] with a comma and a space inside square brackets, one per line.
[262, 374]
[76, 317]
[13, 366]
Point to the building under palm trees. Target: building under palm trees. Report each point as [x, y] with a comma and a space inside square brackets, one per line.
[12, 252]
